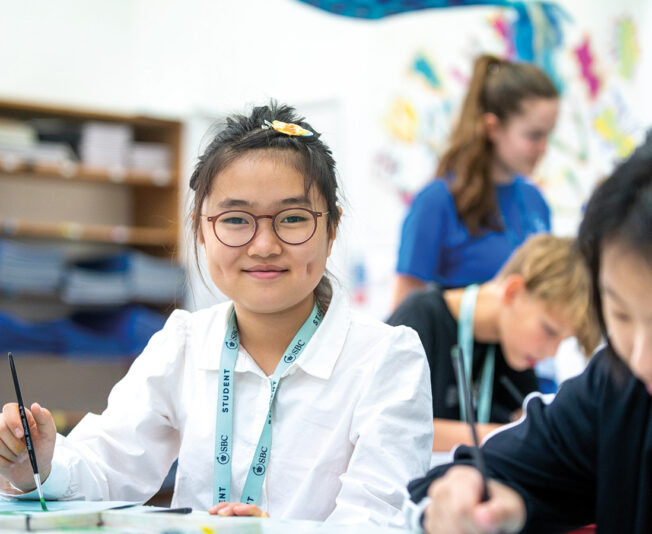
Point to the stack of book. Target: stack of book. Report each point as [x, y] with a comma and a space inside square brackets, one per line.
[128, 277]
[30, 270]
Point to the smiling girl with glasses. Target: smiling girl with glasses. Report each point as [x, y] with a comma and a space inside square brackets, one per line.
[282, 400]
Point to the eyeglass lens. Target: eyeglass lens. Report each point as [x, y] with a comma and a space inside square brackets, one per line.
[293, 226]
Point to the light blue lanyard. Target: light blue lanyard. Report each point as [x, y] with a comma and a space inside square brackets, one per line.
[465, 341]
[224, 424]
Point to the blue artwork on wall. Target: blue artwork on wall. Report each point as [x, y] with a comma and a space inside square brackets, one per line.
[537, 31]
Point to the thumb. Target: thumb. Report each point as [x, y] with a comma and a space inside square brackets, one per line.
[42, 417]
[496, 515]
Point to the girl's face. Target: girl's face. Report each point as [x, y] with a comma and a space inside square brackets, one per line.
[521, 140]
[530, 331]
[266, 275]
[626, 293]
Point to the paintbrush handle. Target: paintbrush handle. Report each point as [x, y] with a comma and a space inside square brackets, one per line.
[23, 416]
[478, 457]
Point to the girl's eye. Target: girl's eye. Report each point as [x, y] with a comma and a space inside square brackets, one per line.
[621, 317]
[293, 219]
[549, 330]
[234, 220]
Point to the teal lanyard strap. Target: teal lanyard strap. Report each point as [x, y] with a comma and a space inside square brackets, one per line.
[465, 341]
[224, 423]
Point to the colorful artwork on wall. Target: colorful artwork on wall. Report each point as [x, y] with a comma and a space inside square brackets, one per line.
[626, 49]
[586, 60]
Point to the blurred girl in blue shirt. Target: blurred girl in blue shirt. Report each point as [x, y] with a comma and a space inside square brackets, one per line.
[464, 225]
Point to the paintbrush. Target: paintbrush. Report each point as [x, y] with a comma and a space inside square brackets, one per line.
[28, 435]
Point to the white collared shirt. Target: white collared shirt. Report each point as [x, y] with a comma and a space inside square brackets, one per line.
[352, 422]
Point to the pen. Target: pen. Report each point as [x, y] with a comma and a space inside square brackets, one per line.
[478, 457]
[28, 436]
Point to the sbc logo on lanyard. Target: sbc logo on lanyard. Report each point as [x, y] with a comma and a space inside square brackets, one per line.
[296, 350]
[223, 457]
[232, 342]
[259, 468]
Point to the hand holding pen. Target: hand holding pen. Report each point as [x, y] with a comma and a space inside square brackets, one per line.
[16, 466]
[464, 500]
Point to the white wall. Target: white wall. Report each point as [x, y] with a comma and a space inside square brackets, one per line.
[199, 59]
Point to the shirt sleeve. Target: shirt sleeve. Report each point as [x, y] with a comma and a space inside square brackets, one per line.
[419, 311]
[125, 453]
[537, 208]
[392, 434]
[423, 231]
[548, 458]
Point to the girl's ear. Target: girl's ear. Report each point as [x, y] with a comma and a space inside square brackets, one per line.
[337, 222]
[333, 234]
[513, 287]
[200, 231]
[492, 125]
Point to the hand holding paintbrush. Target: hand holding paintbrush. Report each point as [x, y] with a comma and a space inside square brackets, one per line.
[26, 442]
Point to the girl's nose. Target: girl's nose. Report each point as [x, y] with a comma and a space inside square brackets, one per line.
[265, 241]
[641, 358]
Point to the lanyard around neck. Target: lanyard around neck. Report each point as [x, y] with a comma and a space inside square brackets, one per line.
[466, 342]
[224, 423]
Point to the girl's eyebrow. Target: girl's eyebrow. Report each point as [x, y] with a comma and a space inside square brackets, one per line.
[233, 203]
[293, 201]
[606, 289]
[236, 202]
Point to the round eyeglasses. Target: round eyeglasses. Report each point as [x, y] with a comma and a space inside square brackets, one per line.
[293, 226]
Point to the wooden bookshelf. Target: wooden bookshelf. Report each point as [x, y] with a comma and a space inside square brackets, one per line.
[72, 200]
[71, 170]
[97, 233]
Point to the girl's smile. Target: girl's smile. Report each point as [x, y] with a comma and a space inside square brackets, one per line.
[266, 272]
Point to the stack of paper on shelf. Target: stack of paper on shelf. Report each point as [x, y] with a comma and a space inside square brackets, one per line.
[152, 157]
[32, 270]
[14, 133]
[131, 276]
[105, 144]
[100, 282]
[153, 279]
[19, 143]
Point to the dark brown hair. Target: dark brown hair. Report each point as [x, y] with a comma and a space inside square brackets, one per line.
[499, 87]
[619, 211]
[242, 135]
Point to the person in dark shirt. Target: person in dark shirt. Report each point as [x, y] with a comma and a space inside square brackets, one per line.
[539, 297]
[587, 456]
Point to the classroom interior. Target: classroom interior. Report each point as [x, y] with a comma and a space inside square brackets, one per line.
[105, 107]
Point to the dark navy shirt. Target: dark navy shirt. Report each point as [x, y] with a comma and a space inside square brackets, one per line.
[436, 245]
[585, 458]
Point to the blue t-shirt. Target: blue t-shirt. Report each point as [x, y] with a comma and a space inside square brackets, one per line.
[436, 245]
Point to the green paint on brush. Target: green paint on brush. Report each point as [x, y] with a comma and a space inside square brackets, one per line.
[43, 507]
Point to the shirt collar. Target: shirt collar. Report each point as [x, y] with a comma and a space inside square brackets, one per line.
[319, 356]
[322, 351]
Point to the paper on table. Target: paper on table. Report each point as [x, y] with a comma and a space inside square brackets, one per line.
[60, 506]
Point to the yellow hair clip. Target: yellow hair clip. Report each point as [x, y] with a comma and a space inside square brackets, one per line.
[287, 128]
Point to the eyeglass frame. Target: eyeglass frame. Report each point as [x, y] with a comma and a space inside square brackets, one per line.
[213, 218]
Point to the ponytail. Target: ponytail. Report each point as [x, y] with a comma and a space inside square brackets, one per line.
[497, 86]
